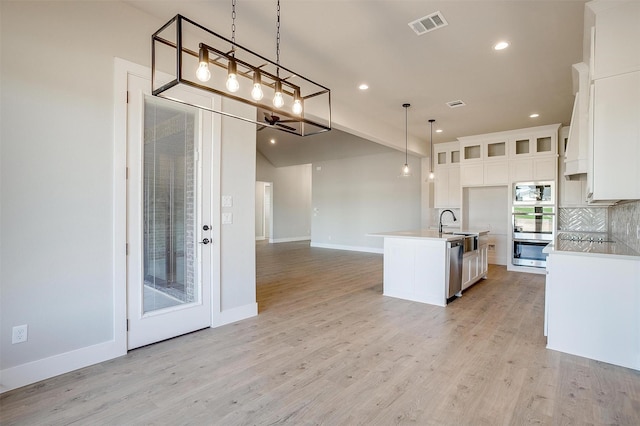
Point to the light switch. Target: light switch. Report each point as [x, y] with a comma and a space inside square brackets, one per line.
[227, 218]
[227, 201]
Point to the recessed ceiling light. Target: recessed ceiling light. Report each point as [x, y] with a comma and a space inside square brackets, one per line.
[363, 86]
[272, 141]
[534, 115]
[501, 45]
[439, 131]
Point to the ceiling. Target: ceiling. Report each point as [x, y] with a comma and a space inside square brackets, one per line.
[342, 43]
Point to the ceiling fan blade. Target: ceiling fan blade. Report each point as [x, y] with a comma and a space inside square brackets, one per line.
[286, 127]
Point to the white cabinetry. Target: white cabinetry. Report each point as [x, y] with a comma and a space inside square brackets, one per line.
[617, 38]
[616, 137]
[475, 264]
[512, 156]
[447, 175]
[613, 171]
[592, 307]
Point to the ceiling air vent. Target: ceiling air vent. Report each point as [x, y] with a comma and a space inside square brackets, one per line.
[428, 23]
[455, 104]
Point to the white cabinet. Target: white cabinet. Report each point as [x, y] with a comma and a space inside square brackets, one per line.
[475, 264]
[617, 38]
[592, 307]
[447, 187]
[616, 138]
[447, 175]
[513, 156]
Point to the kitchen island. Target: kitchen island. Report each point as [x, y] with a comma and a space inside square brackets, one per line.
[417, 264]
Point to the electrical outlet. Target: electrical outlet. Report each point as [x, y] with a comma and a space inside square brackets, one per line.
[19, 334]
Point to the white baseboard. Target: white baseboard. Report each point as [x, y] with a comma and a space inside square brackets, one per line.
[349, 248]
[235, 314]
[32, 372]
[261, 238]
[289, 240]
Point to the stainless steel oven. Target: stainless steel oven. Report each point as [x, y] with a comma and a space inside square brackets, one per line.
[532, 230]
[529, 253]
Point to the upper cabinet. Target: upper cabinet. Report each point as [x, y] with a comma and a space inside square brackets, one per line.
[447, 175]
[613, 167]
[511, 156]
[616, 48]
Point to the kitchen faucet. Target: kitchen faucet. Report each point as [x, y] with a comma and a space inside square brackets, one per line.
[440, 221]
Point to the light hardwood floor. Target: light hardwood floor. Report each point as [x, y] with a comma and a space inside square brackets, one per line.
[328, 348]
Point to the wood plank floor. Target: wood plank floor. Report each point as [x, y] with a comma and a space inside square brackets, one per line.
[328, 348]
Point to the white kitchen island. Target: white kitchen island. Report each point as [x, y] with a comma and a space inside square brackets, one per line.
[416, 265]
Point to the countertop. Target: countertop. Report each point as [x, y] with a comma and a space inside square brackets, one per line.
[429, 234]
[611, 247]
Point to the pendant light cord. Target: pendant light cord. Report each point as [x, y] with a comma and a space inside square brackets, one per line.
[233, 27]
[277, 39]
[406, 135]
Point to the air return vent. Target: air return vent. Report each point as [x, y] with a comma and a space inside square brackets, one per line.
[455, 104]
[428, 23]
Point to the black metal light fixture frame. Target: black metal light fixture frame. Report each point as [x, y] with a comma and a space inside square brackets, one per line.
[175, 52]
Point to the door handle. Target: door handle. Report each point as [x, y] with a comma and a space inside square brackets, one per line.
[206, 228]
[205, 241]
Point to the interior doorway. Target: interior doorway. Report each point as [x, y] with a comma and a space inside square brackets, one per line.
[264, 211]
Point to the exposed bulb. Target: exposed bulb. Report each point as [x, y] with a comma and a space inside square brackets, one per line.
[202, 73]
[256, 92]
[405, 170]
[232, 83]
[432, 175]
[297, 107]
[278, 100]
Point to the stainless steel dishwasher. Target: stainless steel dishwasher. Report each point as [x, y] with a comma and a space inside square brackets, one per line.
[454, 283]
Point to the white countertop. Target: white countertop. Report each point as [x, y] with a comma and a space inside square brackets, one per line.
[429, 234]
[592, 248]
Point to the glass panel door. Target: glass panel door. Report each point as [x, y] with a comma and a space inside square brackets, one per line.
[169, 206]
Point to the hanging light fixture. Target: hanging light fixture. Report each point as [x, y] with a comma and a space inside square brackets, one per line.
[406, 172]
[232, 79]
[186, 54]
[431, 174]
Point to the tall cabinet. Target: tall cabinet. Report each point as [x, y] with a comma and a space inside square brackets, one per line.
[447, 175]
[614, 64]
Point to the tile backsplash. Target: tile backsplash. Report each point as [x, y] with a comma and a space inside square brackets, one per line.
[621, 221]
[583, 219]
[624, 221]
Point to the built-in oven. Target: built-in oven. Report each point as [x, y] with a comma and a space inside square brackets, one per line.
[529, 253]
[533, 193]
[532, 230]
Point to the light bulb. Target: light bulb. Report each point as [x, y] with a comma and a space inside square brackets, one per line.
[202, 73]
[232, 80]
[405, 170]
[432, 175]
[278, 100]
[256, 92]
[297, 107]
[232, 83]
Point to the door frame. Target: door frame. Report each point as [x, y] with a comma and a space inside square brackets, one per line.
[123, 68]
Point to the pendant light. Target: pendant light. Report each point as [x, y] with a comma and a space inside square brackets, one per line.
[405, 169]
[232, 79]
[202, 73]
[431, 174]
[278, 100]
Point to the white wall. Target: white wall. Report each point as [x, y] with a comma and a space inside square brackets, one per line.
[488, 208]
[356, 196]
[291, 195]
[57, 174]
[260, 210]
